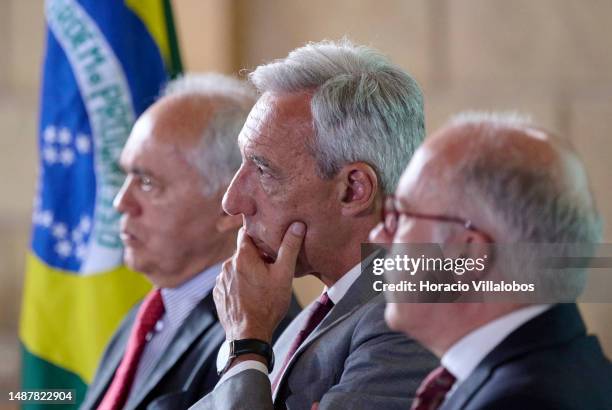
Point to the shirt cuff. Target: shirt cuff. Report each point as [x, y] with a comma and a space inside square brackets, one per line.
[240, 367]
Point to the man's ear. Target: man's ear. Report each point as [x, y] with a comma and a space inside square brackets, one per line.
[226, 223]
[358, 188]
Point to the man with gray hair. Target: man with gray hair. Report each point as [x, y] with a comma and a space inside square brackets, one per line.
[330, 134]
[479, 185]
[179, 159]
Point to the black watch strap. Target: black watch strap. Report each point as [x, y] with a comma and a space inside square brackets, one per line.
[256, 346]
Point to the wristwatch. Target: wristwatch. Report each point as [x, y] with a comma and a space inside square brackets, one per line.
[231, 349]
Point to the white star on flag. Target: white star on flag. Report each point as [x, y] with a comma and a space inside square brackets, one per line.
[77, 235]
[46, 218]
[59, 230]
[63, 248]
[67, 156]
[49, 134]
[64, 136]
[50, 155]
[83, 145]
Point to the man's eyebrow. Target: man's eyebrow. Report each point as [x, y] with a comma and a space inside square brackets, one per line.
[137, 171]
[265, 163]
[259, 160]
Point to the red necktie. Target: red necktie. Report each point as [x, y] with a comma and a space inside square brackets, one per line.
[319, 310]
[431, 392]
[149, 313]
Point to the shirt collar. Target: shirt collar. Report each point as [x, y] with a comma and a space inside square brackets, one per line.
[180, 301]
[463, 357]
[339, 289]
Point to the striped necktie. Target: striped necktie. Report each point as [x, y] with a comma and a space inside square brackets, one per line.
[319, 310]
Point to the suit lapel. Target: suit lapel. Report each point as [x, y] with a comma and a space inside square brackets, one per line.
[284, 342]
[110, 361]
[467, 389]
[201, 318]
[358, 294]
[558, 325]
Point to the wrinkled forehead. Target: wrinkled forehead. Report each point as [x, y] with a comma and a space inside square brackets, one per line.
[278, 122]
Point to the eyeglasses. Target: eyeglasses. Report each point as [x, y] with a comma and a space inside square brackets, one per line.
[390, 219]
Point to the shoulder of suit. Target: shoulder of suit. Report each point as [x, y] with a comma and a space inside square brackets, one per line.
[370, 317]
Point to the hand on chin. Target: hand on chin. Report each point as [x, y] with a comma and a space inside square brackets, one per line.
[253, 291]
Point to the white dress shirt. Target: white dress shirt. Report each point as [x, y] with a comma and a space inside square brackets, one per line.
[335, 293]
[463, 357]
[339, 289]
[179, 302]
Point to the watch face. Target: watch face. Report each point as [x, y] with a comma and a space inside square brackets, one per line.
[223, 356]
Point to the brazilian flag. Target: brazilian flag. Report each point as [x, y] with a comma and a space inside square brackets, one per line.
[105, 63]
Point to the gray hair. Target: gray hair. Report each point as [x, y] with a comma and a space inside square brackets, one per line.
[531, 205]
[217, 156]
[364, 108]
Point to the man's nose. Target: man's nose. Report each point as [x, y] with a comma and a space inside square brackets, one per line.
[238, 198]
[124, 201]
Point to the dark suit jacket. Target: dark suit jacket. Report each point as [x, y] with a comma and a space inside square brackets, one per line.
[548, 363]
[352, 360]
[186, 371]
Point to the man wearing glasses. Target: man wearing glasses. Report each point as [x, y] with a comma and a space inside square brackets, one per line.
[495, 179]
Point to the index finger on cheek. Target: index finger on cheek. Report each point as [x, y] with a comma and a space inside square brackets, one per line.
[291, 245]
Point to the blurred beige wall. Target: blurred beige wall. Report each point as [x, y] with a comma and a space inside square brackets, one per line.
[549, 58]
[22, 32]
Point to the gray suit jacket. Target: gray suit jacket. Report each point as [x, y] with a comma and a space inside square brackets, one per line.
[185, 372]
[350, 361]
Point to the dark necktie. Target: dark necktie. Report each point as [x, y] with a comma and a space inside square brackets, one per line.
[319, 310]
[431, 392]
[149, 313]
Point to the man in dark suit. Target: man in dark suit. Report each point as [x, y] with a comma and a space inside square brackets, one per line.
[487, 182]
[335, 125]
[179, 159]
